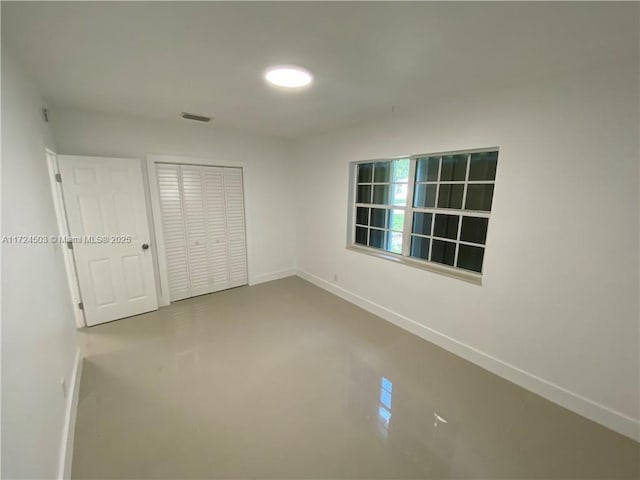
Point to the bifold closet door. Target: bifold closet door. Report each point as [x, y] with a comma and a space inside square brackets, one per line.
[216, 226]
[173, 229]
[203, 227]
[196, 229]
[234, 201]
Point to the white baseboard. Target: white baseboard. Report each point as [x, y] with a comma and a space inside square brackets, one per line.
[69, 427]
[267, 277]
[572, 401]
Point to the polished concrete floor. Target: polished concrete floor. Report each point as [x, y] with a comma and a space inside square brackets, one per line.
[284, 380]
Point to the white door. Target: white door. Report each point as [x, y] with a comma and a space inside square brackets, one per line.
[216, 220]
[105, 205]
[173, 230]
[236, 238]
[202, 210]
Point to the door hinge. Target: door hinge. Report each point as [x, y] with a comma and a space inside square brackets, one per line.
[70, 245]
[59, 177]
[81, 306]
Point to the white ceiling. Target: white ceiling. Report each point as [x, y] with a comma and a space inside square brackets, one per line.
[158, 59]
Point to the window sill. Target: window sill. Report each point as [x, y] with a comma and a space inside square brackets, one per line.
[469, 277]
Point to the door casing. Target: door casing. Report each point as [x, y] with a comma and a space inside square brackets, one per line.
[63, 231]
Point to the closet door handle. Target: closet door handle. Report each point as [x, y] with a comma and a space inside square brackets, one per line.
[145, 246]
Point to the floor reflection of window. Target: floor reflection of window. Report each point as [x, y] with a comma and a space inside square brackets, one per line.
[384, 409]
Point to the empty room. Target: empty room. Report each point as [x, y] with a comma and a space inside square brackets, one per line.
[320, 240]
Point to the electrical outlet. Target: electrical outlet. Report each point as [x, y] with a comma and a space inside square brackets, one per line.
[63, 384]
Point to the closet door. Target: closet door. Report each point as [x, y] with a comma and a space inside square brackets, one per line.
[196, 230]
[234, 201]
[203, 225]
[213, 180]
[173, 230]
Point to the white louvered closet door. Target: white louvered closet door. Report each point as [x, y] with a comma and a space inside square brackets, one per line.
[173, 231]
[216, 227]
[233, 194]
[203, 228]
[196, 230]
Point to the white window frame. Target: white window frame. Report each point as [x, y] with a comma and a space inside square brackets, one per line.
[409, 209]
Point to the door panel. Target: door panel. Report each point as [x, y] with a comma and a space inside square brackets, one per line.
[216, 228]
[101, 281]
[194, 214]
[134, 282]
[105, 197]
[173, 230]
[235, 226]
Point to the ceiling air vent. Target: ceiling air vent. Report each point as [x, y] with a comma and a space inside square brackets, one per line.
[193, 116]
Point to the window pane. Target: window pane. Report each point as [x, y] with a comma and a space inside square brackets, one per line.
[443, 252]
[396, 220]
[422, 223]
[450, 195]
[382, 172]
[427, 169]
[399, 194]
[401, 170]
[365, 172]
[420, 247]
[483, 166]
[364, 194]
[395, 242]
[425, 195]
[470, 258]
[454, 168]
[474, 229]
[479, 197]
[446, 226]
[381, 194]
[378, 217]
[361, 235]
[362, 216]
[376, 238]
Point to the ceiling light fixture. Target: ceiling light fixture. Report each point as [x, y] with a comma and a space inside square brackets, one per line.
[288, 76]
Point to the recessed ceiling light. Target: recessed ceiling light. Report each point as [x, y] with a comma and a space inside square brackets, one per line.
[288, 76]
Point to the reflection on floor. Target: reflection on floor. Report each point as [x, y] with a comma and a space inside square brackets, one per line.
[284, 380]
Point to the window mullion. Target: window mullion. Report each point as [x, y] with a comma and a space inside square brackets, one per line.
[464, 199]
[466, 183]
[408, 212]
[438, 180]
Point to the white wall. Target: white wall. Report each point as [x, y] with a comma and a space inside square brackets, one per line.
[39, 342]
[268, 184]
[558, 308]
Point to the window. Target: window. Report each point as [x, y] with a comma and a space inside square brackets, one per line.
[381, 200]
[430, 209]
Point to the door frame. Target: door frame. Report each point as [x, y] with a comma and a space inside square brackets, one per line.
[63, 231]
[160, 259]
